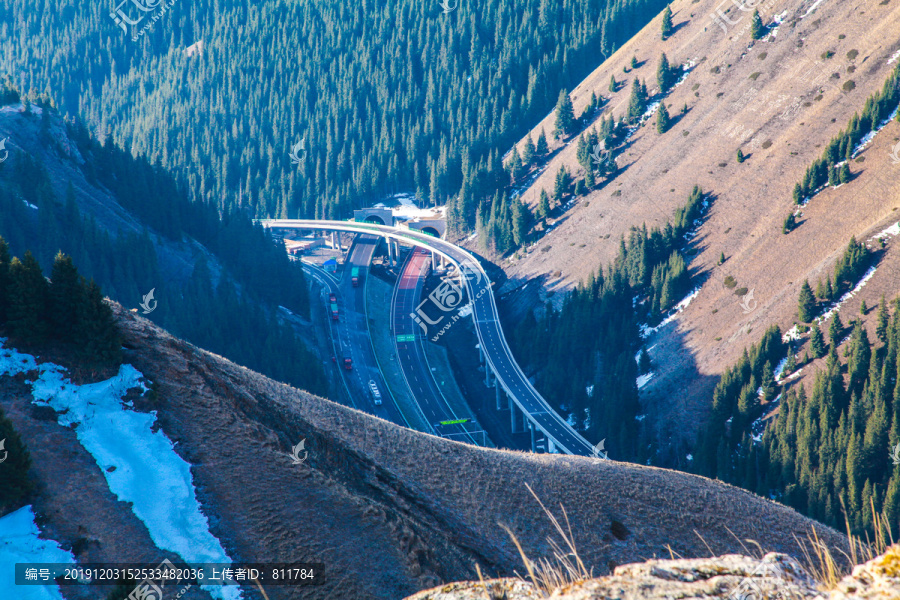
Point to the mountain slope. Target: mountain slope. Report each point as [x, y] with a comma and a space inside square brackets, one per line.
[780, 100]
[363, 492]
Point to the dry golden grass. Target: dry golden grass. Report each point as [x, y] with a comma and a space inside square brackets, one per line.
[820, 559]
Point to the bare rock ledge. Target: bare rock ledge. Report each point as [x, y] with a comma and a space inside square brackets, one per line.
[732, 577]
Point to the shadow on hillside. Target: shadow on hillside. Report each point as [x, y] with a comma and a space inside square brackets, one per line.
[678, 27]
[677, 399]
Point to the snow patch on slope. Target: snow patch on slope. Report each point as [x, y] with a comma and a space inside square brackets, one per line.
[20, 542]
[148, 472]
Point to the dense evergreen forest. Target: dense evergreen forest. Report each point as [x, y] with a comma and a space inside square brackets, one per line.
[585, 351]
[827, 452]
[231, 314]
[386, 97]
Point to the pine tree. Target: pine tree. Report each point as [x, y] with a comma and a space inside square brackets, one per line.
[863, 308]
[28, 297]
[740, 156]
[798, 194]
[634, 62]
[565, 115]
[66, 296]
[637, 101]
[757, 29]
[561, 187]
[580, 188]
[662, 118]
[817, 342]
[543, 209]
[791, 364]
[541, 149]
[807, 303]
[666, 23]
[645, 365]
[768, 382]
[835, 330]
[845, 173]
[15, 485]
[664, 74]
[789, 223]
[515, 165]
[97, 327]
[613, 86]
[528, 152]
[721, 258]
[881, 327]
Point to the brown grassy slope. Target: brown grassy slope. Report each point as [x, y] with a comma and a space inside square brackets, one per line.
[751, 199]
[390, 511]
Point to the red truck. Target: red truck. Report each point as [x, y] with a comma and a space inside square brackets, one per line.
[348, 363]
[332, 297]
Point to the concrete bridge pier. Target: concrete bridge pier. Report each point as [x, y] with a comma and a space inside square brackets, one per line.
[433, 261]
[487, 375]
[497, 387]
[531, 427]
[512, 414]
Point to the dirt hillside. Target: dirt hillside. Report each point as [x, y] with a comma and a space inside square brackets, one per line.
[780, 100]
[388, 511]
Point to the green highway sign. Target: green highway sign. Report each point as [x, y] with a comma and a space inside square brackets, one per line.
[406, 338]
[455, 422]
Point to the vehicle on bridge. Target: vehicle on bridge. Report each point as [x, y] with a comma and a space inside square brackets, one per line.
[354, 276]
[348, 363]
[332, 297]
[334, 311]
[376, 393]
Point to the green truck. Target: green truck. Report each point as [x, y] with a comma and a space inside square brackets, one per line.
[354, 276]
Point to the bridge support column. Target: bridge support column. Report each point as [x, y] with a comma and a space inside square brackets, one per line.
[487, 375]
[531, 427]
[433, 261]
[497, 387]
[512, 414]
[480, 354]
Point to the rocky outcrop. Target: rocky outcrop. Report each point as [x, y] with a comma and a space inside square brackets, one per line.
[730, 577]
